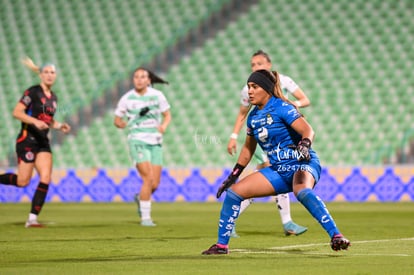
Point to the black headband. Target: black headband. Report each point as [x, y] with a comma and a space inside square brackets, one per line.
[263, 81]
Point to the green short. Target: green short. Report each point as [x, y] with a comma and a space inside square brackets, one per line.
[259, 156]
[141, 152]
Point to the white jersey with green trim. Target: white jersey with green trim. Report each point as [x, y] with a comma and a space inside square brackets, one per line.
[144, 114]
[287, 84]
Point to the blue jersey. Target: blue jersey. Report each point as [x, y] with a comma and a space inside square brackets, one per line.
[271, 127]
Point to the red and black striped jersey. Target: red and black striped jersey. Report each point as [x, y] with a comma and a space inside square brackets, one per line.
[40, 106]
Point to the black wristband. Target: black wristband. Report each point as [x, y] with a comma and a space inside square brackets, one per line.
[306, 142]
[237, 170]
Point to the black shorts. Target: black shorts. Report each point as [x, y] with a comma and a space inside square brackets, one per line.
[27, 148]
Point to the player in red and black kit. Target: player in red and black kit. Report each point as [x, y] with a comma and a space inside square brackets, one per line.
[35, 110]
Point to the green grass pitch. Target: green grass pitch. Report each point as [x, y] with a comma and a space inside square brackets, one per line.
[94, 238]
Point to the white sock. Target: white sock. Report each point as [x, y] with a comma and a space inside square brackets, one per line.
[283, 204]
[145, 207]
[244, 204]
[32, 217]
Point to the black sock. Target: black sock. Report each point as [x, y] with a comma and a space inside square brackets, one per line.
[8, 179]
[39, 198]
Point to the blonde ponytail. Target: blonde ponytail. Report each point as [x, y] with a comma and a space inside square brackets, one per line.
[31, 65]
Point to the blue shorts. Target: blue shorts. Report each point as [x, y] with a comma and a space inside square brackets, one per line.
[281, 175]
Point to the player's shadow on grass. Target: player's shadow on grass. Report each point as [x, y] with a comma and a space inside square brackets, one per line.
[50, 224]
[126, 258]
[312, 253]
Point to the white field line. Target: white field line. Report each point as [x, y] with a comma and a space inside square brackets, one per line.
[352, 242]
[288, 247]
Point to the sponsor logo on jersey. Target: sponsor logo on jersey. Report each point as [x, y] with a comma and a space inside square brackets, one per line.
[262, 134]
[260, 122]
[284, 153]
[269, 119]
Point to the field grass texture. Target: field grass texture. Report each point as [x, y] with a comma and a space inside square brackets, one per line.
[93, 238]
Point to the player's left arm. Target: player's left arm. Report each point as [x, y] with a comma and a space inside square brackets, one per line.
[64, 127]
[301, 99]
[166, 119]
[302, 127]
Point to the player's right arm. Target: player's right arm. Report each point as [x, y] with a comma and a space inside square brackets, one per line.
[120, 111]
[119, 122]
[19, 112]
[238, 124]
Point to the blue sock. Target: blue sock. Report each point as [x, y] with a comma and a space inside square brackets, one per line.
[318, 210]
[228, 215]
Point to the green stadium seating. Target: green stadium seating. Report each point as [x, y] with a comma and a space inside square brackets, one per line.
[353, 59]
[91, 42]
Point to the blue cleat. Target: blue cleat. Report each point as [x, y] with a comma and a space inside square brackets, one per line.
[292, 228]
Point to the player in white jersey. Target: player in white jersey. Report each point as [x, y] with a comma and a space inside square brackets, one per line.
[147, 114]
[261, 61]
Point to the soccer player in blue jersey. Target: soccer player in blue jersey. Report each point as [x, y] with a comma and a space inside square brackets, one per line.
[260, 60]
[286, 137]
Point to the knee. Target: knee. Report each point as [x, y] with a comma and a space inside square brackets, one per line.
[151, 181]
[303, 193]
[233, 195]
[148, 181]
[22, 182]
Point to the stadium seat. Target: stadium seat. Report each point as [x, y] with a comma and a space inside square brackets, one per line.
[354, 66]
